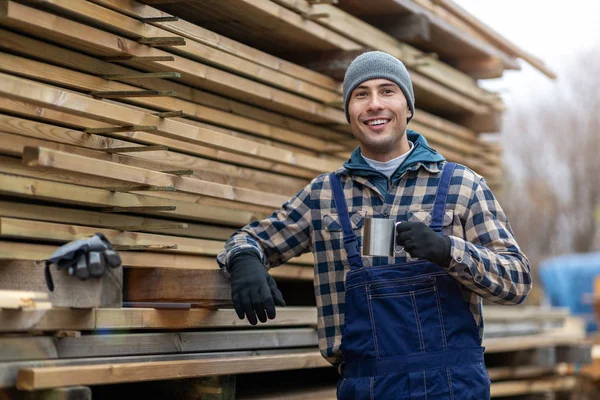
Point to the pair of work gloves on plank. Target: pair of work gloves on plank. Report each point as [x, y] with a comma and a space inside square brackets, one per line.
[83, 258]
[255, 293]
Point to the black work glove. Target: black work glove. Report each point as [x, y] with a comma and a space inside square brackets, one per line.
[83, 258]
[422, 242]
[253, 290]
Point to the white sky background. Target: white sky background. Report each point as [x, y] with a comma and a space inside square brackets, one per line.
[551, 30]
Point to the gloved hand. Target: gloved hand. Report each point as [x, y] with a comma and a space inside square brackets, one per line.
[421, 241]
[83, 258]
[253, 290]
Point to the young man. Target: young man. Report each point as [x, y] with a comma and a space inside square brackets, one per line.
[407, 327]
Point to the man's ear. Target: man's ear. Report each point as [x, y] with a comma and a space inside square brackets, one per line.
[408, 113]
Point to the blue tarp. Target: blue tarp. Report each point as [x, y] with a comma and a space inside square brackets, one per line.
[568, 281]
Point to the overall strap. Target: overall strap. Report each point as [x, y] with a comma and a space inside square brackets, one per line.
[439, 206]
[350, 240]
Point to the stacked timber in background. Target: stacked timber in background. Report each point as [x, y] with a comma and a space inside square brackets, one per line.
[166, 135]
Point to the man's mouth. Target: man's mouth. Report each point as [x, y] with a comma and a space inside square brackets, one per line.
[377, 122]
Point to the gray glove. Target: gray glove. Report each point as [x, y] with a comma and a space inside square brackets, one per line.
[83, 258]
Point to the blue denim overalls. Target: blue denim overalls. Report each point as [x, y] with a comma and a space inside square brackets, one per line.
[408, 331]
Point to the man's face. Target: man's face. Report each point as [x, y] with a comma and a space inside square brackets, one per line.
[378, 112]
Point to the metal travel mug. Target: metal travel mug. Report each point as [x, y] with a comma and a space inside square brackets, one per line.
[379, 237]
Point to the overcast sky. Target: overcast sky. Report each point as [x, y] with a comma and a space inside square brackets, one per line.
[552, 30]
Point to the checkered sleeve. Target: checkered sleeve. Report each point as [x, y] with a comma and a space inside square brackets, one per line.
[488, 259]
[283, 235]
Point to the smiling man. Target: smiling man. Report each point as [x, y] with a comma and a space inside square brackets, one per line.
[403, 327]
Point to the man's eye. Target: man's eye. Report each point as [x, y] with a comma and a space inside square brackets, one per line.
[388, 91]
[361, 94]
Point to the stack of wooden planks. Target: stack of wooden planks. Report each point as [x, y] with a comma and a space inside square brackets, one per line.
[166, 126]
[537, 360]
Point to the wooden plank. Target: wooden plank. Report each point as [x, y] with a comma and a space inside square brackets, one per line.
[170, 114]
[522, 387]
[109, 221]
[204, 169]
[513, 373]
[9, 371]
[40, 378]
[69, 291]
[37, 230]
[36, 156]
[91, 197]
[183, 262]
[332, 63]
[506, 344]
[93, 14]
[206, 288]
[178, 342]
[47, 231]
[254, 18]
[481, 68]
[58, 319]
[406, 28]
[495, 314]
[449, 40]
[234, 109]
[201, 35]
[118, 319]
[55, 319]
[52, 136]
[8, 209]
[23, 299]
[102, 43]
[29, 91]
[62, 161]
[13, 166]
[26, 348]
[368, 35]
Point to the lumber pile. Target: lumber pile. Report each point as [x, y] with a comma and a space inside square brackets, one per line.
[166, 125]
[543, 358]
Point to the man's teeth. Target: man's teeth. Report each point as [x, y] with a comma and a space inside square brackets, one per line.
[377, 122]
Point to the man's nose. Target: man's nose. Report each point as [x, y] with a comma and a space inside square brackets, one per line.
[374, 103]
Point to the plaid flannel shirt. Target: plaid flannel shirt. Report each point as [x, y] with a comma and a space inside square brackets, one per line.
[486, 259]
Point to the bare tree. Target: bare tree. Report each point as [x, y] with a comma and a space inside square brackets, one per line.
[552, 163]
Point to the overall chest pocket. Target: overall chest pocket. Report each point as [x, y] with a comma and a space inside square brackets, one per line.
[406, 316]
[402, 287]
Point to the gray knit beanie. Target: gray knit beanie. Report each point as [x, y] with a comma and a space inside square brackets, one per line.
[378, 65]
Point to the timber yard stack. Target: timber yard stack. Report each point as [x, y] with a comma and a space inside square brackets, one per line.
[168, 133]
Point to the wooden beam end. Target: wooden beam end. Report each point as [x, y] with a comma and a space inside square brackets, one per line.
[31, 156]
[26, 379]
